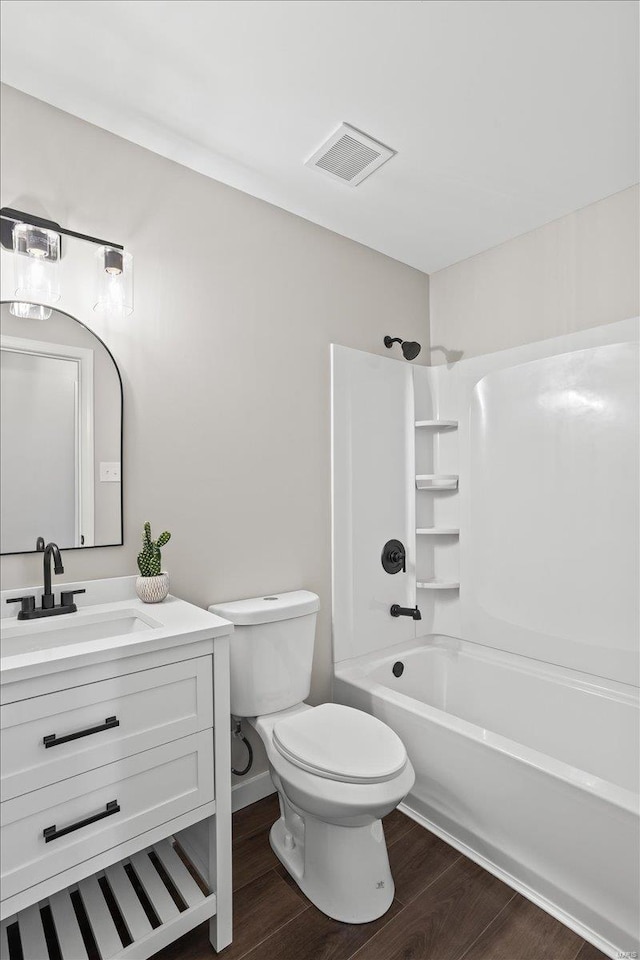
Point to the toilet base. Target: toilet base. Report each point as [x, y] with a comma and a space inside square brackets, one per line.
[344, 871]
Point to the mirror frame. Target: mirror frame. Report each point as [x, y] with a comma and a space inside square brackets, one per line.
[96, 546]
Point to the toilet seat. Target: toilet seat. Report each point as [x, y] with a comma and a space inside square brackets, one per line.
[339, 743]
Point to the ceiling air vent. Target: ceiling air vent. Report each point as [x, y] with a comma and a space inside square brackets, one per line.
[349, 156]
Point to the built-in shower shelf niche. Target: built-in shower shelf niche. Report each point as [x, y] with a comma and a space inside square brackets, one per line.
[438, 424]
[437, 481]
[438, 531]
[438, 584]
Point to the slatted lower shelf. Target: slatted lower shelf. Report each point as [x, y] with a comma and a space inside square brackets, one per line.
[130, 910]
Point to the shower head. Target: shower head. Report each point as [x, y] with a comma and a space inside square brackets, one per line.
[410, 348]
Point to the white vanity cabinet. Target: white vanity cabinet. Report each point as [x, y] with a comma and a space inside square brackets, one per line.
[52, 737]
[103, 759]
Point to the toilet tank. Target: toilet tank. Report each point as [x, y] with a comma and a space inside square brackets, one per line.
[271, 650]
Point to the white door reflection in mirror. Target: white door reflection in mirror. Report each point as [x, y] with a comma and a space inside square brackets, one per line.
[61, 419]
[47, 429]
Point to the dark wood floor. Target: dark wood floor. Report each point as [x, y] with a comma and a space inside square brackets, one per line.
[445, 908]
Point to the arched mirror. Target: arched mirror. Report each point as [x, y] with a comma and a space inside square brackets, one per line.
[60, 433]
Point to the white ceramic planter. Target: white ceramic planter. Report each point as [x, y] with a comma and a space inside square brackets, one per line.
[153, 589]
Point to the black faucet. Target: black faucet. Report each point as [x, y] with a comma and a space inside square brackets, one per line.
[398, 611]
[51, 549]
[28, 610]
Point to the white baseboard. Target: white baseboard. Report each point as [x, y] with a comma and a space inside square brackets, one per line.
[194, 840]
[583, 931]
[251, 790]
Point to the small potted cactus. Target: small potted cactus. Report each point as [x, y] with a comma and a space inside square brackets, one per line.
[152, 585]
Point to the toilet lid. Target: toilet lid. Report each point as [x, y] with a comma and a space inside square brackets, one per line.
[340, 743]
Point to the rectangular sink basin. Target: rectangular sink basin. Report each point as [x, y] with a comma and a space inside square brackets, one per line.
[29, 636]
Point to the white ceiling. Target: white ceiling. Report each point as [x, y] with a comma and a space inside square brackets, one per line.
[506, 114]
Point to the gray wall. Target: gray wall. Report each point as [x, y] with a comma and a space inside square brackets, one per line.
[225, 360]
[577, 272]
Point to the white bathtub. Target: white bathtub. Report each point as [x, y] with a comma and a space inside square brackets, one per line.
[529, 769]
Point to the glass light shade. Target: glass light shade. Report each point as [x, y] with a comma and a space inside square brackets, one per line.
[30, 311]
[36, 262]
[114, 282]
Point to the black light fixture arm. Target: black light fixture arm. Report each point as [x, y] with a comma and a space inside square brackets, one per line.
[10, 216]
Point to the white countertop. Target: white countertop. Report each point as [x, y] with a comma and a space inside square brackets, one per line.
[168, 623]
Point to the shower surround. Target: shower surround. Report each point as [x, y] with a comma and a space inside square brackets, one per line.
[511, 479]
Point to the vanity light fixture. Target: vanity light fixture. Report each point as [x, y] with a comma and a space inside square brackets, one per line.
[36, 265]
[36, 245]
[114, 282]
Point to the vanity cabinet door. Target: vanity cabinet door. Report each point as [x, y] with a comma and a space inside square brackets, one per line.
[47, 831]
[49, 738]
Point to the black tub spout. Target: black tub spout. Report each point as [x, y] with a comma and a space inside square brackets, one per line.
[398, 611]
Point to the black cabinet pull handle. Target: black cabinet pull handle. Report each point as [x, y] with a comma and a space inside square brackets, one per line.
[51, 740]
[51, 833]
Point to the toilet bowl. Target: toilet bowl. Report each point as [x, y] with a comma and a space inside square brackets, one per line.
[337, 770]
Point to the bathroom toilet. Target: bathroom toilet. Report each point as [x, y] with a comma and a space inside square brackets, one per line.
[337, 770]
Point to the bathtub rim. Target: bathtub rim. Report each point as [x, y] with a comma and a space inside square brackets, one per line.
[357, 672]
[603, 686]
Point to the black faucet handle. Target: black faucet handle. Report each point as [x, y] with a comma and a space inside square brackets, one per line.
[66, 597]
[28, 604]
[394, 557]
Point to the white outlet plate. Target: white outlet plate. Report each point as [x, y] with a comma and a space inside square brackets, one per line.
[110, 472]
